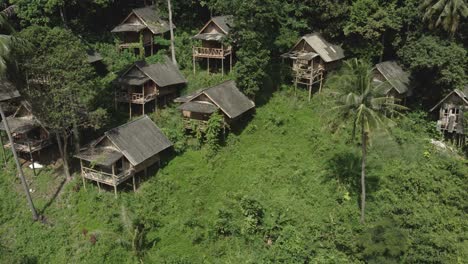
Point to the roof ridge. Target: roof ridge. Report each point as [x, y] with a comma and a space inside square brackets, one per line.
[128, 123]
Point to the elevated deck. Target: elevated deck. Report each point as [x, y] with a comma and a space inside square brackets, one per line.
[135, 98]
[30, 146]
[107, 178]
[212, 53]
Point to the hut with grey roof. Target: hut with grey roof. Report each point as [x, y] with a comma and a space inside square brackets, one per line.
[453, 110]
[152, 85]
[30, 135]
[139, 28]
[213, 46]
[312, 57]
[224, 98]
[395, 80]
[123, 152]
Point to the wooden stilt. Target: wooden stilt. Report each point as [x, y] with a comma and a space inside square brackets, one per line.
[99, 186]
[130, 108]
[194, 65]
[115, 180]
[134, 185]
[310, 92]
[230, 62]
[143, 106]
[3, 150]
[32, 159]
[208, 66]
[222, 66]
[82, 174]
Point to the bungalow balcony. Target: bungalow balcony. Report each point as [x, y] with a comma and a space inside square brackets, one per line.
[216, 53]
[107, 178]
[136, 45]
[30, 145]
[135, 98]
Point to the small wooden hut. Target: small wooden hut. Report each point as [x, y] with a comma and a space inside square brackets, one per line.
[123, 152]
[30, 136]
[451, 115]
[139, 28]
[395, 80]
[213, 46]
[312, 57]
[224, 98]
[149, 84]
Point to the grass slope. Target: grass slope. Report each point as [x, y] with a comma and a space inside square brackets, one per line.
[284, 190]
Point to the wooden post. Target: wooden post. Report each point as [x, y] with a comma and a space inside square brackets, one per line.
[82, 174]
[230, 61]
[134, 186]
[130, 106]
[32, 159]
[3, 149]
[208, 65]
[194, 62]
[143, 87]
[152, 45]
[222, 66]
[115, 180]
[99, 186]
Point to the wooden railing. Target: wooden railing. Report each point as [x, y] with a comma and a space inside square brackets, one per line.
[210, 52]
[30, 145]
[135, 97]
[106, 178]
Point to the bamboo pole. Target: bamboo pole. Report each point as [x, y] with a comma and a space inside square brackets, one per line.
[18, 166]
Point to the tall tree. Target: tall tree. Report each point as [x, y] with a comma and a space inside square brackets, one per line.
[62, 84]
[5, 42]
[445, 13]
[169, 8]
[359, 100]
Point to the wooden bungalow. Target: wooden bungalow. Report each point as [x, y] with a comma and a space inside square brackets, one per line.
[224, 98]
[212, 37]
[122, 153]
[312, 57]
[139, 28]
[29, 134]
[451, 115]
[149, 84]
[395, 80]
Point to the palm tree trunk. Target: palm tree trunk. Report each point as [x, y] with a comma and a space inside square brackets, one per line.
[363, 174]
[169, 7]
[20, 170]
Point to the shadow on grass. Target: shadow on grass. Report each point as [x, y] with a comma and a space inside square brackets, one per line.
[54, 197]
[345, 168]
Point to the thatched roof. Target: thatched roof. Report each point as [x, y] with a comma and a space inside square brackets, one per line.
[227, 97]
[105, 156]
[199, 107]
[93, 56]
[222, 22]
[163, 74]
[20, 124]
[8, 91]
[395, 75]
[463, 94]
[139, 140]
[150, 18]
[327, 51]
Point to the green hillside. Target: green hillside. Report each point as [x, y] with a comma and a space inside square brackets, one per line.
[281, 190]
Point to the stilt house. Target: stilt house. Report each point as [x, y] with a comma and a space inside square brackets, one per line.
[224, 98]
[213, 46]
[139, 29]
[452, 112]
[312, 57]
[29, 134]
[395, 80]
[152, 85]
[123, 152]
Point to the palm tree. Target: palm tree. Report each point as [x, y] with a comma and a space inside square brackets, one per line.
[365, 104]
[5, 42]
[169, 8]
[445, 13]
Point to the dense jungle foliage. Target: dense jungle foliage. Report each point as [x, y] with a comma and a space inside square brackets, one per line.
[281, 187]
